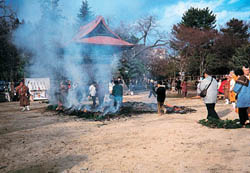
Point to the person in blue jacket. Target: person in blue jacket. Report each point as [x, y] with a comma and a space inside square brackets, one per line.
[242, 88]
[117, 92]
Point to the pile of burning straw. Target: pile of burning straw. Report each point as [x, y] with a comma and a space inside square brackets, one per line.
[126, 110]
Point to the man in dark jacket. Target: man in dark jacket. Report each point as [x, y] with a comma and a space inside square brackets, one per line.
[161, 95]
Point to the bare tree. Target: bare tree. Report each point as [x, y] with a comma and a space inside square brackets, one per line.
[145, 34]
[149, 34]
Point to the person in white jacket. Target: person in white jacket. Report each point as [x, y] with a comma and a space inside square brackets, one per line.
[92, 93]
[211, 97]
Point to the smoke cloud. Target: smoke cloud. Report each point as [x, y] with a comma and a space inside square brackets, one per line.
[49, 37]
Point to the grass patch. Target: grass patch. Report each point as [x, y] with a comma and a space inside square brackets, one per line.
[226, 124]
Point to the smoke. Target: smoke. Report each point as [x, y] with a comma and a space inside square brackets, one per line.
[48, 36]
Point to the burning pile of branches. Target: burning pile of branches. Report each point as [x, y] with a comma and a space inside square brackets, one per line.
[126, 110]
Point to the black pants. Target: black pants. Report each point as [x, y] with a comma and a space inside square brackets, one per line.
[243, 115]
[94, 100]
[211, 113]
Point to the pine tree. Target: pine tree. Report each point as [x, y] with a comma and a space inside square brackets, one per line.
[199, 18]
[85, 14]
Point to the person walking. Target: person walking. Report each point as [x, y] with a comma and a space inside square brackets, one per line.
[210, 84]
[92, 93]
[161, 95]
[151, 89]
[242, 88]
[117, 92]
[23, 92]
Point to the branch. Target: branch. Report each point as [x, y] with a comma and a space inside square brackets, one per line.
[156, 44]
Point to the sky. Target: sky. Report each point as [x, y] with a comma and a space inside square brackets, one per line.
[168, 12]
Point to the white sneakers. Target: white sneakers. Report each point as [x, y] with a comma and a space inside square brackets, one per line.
[25, 108]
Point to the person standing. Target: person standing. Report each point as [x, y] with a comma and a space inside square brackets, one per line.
[178, 86]
[161, 95]
[232, 95]
[92, 93]
[226, 89]
[23, 92]
[151, 89]
[184, 88]
[101, 91]
[12, 91]
[117, 92]
[211, 96]
[242, 88]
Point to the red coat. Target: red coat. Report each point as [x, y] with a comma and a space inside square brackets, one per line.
[23, 92]
[221, 88]
[184, 86]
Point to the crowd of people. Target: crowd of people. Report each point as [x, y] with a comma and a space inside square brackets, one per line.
[234, 88]
[100, 93]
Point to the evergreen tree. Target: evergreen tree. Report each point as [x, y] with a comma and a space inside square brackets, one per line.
[11, 63]
[237, 30]
[241, 57]
[199, 18]
[85, 15]
[232, 37]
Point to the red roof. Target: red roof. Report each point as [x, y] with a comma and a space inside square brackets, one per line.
[98, 33]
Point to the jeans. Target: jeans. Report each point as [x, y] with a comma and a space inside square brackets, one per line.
[101, 100]
[151, 92]
[117, 102]
[211, 112]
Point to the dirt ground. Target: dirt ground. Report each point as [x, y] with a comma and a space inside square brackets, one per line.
[41, 141]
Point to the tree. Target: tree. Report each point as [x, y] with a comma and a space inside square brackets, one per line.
[193, 38]
[11, 63]
[233, 36]
[237, 30]
[50, 10]
[149, 33]
[241, 57]
[85, 14]
[199, 18]
[193, 45]
[146, 36]
[124, 31]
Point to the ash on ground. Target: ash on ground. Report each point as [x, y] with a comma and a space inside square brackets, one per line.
[126, 110]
